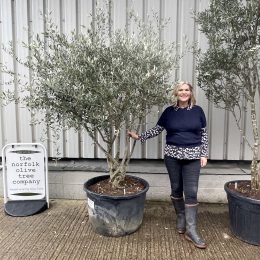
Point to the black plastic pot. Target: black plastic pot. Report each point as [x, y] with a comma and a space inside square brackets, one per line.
[115, 215]
[244, 216]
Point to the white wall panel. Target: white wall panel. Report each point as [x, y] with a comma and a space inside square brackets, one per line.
[138, 146]
[69, 23]
[216, 133]
[202, 44]
[119, 14]
[186, 24]
[16, 16]
[69, 15]
[54, 10]
[2, 132]
[9, 119]
[85, 9]
[87, 146]
[21, 31]
[37, 26]
[152, 144]
[138, 8]
[233, 139]
[169, 34]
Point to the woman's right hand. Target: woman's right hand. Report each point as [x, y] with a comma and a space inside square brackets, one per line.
[133, 135]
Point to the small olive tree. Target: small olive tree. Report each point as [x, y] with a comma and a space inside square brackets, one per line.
[229, 70]
[104, 82]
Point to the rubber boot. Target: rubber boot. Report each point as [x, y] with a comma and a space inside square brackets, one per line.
[191, 223]
[179, 207]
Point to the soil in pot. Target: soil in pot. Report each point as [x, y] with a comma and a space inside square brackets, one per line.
[128, 186]
[244, 188]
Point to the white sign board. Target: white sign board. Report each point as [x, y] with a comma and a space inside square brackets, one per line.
[25, 171]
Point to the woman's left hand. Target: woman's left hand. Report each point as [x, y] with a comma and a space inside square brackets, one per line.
[203, 161]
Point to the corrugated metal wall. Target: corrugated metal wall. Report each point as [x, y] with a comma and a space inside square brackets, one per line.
[19, 19]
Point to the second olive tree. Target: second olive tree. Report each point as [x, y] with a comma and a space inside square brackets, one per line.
[229, 70]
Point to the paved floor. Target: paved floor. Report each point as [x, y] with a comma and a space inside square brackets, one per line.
[63, 232]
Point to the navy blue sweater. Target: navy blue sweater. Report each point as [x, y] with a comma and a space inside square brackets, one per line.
[183, 125]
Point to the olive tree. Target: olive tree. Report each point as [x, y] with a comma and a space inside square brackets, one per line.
[102, 81]
[229, 70]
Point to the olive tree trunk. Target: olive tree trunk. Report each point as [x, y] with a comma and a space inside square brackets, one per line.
[254, 165]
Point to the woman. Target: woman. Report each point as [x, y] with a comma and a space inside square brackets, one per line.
[185, 152]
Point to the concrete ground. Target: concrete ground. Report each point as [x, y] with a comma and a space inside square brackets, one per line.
[63, 232]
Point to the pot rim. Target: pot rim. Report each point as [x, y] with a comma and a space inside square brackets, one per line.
[127, 196]
[238, 195]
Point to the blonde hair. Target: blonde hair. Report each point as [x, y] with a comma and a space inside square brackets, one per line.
[174, 97]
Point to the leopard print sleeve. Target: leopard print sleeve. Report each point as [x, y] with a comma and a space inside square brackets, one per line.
[204, 141]
[151, 133]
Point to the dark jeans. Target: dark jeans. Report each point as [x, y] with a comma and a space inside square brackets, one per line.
[184, 178]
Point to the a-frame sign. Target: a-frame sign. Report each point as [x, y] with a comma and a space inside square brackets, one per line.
[25, 176]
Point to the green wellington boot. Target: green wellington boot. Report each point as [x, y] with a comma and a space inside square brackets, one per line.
[179, 207]
[191, 223]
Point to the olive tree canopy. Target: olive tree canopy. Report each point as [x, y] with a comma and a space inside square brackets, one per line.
[104, 82]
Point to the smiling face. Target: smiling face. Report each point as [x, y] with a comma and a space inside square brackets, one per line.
[183, 95]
